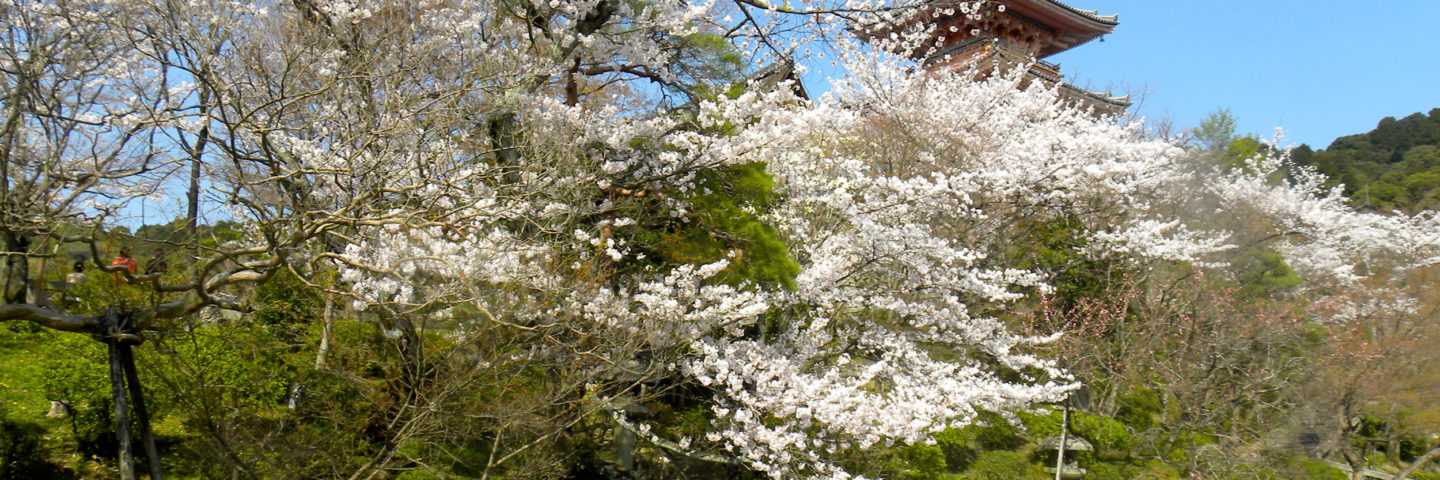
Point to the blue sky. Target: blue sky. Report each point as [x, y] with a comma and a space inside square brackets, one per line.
[1317, 68]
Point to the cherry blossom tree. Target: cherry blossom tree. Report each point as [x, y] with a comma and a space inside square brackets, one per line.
[588, 188]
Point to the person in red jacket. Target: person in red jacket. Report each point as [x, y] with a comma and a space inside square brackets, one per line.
[126, 261]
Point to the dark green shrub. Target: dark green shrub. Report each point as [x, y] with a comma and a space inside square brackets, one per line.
[79, 375]
[923, 462]
[1106, 434]
[993, 432]
[1041, 423]
[1138, 408]
[1002, 465]
[1313, 469]
[1112, 471]
[22, 455]
[953, 443]
[1262, 272]
[283, 302]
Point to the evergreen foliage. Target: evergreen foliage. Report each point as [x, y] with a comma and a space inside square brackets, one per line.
[1394, 166]
[726, 224]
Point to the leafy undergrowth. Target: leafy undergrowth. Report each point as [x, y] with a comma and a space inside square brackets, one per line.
[29, 441]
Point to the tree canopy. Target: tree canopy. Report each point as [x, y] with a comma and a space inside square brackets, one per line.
[1394, 166]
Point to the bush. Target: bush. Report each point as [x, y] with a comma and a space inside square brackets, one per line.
[953, 443]
[1112, 471]
[416, 475]
[1041, 423]
[1002, 465]
[1421, 183]
[1262, 272]
[1316, 470]
[923, 462]
[21, 455]
[79, 375]
[1106, 434]
[1138, 408]
[993, 432]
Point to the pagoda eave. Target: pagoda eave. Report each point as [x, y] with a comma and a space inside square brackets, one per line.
[1072, 27]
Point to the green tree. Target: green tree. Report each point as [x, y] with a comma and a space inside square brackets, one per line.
[1216, 131]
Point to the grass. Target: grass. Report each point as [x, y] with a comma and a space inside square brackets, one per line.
[22, 379]
[23, 375]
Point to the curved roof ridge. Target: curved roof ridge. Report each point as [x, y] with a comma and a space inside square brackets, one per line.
[1095, 15]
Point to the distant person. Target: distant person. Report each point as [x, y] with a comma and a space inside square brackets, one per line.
[77, 276]
[157, 264]
[124, 260]
[73, 281]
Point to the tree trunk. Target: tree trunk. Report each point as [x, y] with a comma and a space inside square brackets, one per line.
[142, 416]
[122, 411]
[502, 140]
[321, 353]
[327, 316]
[624, 450]
[192, 195]
[1351, 461]
[17, 268]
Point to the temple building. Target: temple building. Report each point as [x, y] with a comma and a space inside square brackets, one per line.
[1005, 34]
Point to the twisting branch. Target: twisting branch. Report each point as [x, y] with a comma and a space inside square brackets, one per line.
[673, 446]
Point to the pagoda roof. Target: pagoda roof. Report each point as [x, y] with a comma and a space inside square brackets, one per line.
[997, 49]
[1072, 26]
[1111, 20]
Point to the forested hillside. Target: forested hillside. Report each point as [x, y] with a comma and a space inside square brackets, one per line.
[1394, 166]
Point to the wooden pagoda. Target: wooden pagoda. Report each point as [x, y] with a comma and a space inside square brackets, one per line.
[1006, 34]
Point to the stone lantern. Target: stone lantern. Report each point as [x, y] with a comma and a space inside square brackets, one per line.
[1078, 399]
[1072, 444]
